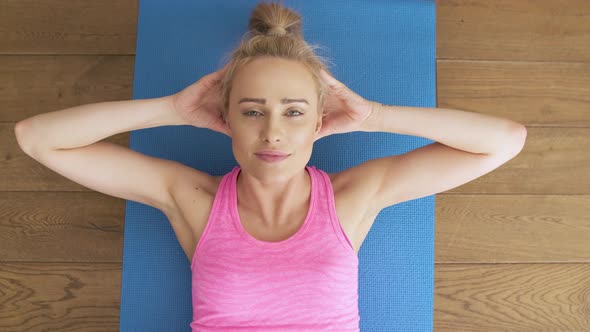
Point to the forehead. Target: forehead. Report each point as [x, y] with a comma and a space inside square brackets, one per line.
[273, 78]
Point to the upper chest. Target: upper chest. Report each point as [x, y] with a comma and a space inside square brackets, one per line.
[350, 207]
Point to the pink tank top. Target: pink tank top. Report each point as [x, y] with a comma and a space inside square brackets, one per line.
[308, 282]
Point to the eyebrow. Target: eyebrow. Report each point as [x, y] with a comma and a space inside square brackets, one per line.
[263, 101]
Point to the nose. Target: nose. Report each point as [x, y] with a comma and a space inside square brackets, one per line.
[272, 130]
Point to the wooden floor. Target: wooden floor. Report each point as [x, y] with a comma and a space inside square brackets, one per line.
[512, 247]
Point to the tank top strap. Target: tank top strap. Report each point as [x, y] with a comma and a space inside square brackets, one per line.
[219, 216]
[326, 206]
[223, 224]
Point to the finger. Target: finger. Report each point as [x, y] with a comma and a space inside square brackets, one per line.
[331, 80]
[217, 75]
[213, 79]
[223, 70]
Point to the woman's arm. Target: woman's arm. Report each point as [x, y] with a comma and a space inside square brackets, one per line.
[467, 131]
[83, 125]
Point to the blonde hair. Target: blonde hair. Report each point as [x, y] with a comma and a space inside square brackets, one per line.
[274, 31]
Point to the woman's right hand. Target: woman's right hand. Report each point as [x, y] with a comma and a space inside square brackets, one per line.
[200, 104]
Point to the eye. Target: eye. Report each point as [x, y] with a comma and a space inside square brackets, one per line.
[249, 112]
[294, 110]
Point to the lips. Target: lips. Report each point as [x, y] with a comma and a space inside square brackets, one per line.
[271, 159]
[272, 153]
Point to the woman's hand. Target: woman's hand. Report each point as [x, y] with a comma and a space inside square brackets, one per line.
[344, 110]
[200, 104]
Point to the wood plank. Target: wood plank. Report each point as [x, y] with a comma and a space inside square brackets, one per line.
[512, 228]
[543, 30]
[512, 297]
[60, 297]
[531, 93]
[41, 84]
[61, 227]
[553, 161]
[68, 27]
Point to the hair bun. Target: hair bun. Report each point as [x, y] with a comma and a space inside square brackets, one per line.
[277, 30]
[269, 19]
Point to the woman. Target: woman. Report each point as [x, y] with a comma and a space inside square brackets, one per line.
[273, 244]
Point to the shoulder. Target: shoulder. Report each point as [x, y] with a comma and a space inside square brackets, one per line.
[354, 186]
[193, 190]
[348, 178]
[192, 200]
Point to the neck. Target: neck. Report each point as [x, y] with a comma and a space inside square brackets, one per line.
[274, 201]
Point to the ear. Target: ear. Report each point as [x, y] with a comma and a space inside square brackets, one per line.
[318, 124]
[225, 122]
[228, 127]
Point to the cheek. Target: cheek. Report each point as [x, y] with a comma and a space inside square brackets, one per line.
[303, 137]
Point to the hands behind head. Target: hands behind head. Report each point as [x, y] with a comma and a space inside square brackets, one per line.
[200, 104]
[344, 110]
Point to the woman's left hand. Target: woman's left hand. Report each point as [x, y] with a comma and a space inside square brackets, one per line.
[344, 111]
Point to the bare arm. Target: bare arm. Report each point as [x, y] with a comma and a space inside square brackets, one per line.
[69, 143]
[86, 124]
[465, 131]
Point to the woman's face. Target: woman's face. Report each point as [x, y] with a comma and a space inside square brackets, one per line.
[273, 106]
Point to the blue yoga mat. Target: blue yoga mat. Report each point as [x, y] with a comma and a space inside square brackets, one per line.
[382, 50]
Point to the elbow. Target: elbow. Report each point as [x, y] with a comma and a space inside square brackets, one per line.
[521, 133]
[20, 132]
[517, 143]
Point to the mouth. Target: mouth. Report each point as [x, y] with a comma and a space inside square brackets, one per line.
[272, 153]
[271, 158]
